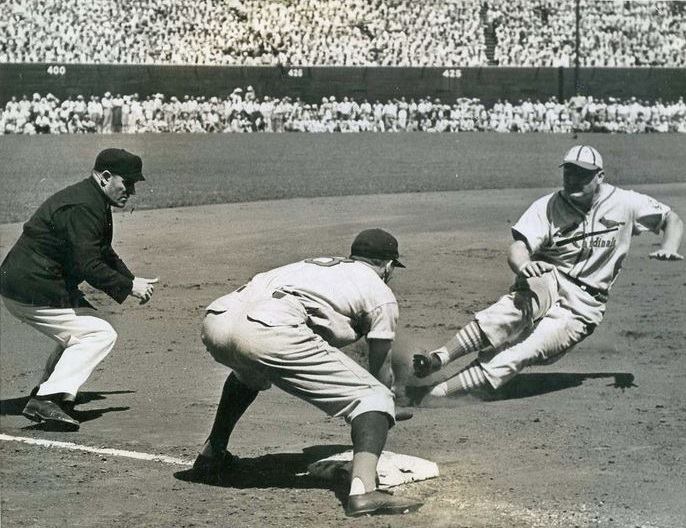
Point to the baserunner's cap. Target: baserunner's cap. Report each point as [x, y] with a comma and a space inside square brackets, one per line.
[376, 244]
[585, 157]
[120, 162]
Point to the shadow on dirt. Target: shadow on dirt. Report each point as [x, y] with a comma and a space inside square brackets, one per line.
[281, 470]
[14, 406]
[522, 386]
[535, 384]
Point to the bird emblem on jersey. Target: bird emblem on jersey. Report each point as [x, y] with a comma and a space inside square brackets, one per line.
[607, 222]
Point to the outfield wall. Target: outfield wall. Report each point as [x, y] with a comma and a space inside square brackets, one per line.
[311, 84]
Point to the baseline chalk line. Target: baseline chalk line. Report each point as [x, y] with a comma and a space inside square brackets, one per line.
[100, 451]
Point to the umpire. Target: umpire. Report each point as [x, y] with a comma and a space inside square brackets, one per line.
[68, 240]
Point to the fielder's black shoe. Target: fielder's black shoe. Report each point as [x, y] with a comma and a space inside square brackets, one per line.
[403, 414]
[51, 414]
[380, 502]
[213, 468]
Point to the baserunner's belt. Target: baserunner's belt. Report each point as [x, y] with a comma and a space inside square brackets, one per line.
[598, 294]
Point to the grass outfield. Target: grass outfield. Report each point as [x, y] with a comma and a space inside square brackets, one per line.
[189, 169]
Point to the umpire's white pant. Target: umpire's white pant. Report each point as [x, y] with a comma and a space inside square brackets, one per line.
[83, 337]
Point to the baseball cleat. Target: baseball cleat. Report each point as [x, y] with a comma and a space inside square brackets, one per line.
[212, 468]
[380, 502]
[426, 364]
[403, 414]
[51, 414]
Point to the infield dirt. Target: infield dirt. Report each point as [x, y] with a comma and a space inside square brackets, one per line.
[561, 446]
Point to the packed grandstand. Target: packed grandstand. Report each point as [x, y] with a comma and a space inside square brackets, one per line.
[246, 112]
[447, 33]
[360, 33]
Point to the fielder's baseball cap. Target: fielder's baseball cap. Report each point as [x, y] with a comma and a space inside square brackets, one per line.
[121, 162]
[377, 244]
[585, 157]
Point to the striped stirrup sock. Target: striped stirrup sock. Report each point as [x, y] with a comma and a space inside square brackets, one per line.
[469, 339]
[469, 378]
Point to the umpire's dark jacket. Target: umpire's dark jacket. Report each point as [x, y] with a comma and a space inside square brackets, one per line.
[66, 241]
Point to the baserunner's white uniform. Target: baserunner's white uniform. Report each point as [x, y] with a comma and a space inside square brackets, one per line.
[543, 317]
[285, 325]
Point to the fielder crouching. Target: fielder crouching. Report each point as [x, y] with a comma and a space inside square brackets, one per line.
[568, 250]
[284, 328]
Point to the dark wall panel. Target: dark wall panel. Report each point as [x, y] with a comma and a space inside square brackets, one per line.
[311, 84]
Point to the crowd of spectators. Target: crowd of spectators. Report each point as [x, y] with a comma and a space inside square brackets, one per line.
[612, 33]
[245, 112]
[635, 34]
[446, 33]
[243, 32]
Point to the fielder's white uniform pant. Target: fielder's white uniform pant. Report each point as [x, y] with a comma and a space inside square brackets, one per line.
[536, 323]
[267, 342]
[84, 340]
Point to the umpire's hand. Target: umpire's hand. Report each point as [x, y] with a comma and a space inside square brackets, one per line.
[143, 288]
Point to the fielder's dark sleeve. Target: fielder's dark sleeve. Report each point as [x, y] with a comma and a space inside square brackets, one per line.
[88, 235]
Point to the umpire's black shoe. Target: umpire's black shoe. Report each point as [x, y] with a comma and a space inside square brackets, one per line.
[380, 502]
[51, 414]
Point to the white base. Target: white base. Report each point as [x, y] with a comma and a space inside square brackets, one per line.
[393, 469]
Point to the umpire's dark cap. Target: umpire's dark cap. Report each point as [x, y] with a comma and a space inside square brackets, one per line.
[376, 244]
[121, 162]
